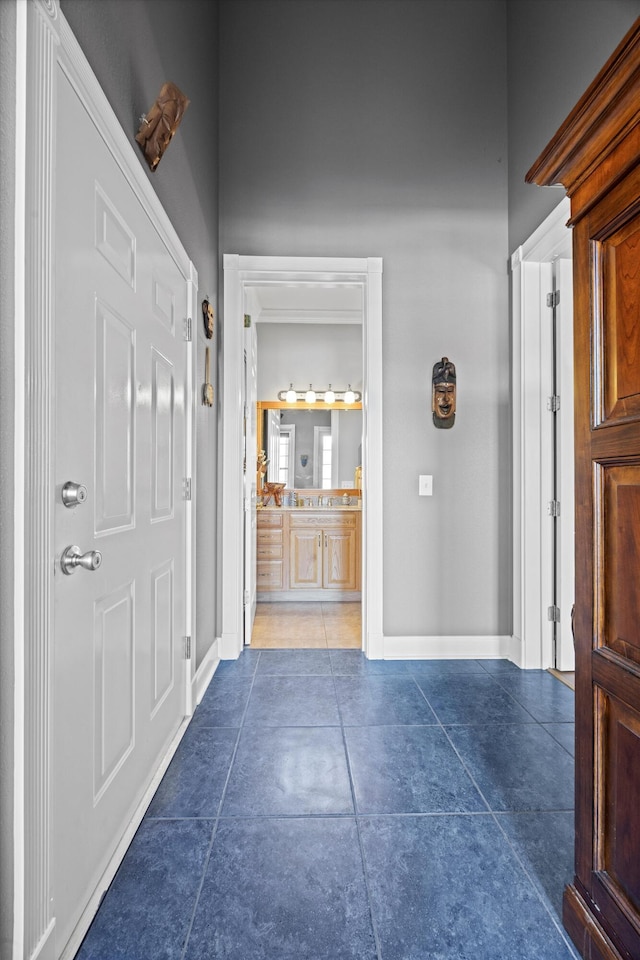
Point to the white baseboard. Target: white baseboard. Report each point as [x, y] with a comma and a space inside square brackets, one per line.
[229, 646]
[375, 646]
[45, 949]
[205, 672]
[448, 648]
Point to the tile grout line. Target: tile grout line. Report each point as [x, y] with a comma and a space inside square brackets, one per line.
[452, 745]
[365, 872]
[494, 815]
[217, 818]
[543, 899]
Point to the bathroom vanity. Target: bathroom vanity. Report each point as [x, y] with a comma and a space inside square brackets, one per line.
[308, 553]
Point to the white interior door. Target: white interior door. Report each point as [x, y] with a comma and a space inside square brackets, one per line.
[250, 473]
[565, 654]
[121, 362]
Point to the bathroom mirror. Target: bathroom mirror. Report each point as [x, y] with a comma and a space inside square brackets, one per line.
[316, 446]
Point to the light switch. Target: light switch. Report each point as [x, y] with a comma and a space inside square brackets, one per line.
[425, 485]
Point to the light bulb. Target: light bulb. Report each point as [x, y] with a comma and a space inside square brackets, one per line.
[310, 395]
[329, 396]
[349, 396]
[291, 396]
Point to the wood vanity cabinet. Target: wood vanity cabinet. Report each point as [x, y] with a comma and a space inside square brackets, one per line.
[596, 156]
[323, 551]
[303, 555]
[270, 551]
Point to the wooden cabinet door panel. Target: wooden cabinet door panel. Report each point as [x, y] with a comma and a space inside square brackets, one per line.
[616, 291]
[340, 562]
[618, 852]
[305, 559]
[617, 534]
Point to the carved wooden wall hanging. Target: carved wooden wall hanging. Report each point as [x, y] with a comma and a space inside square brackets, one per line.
[160, 124]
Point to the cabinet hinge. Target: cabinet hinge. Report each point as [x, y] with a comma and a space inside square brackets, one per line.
[188, 334]
[553, 298]
[553, 614]
[187, 648]
[554, 508]
[553, 403]
[247, 319]
[186, 488]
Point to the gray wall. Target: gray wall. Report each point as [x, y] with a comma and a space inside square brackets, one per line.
[7, 314]
[305, 353]
[370, 128]
[133, 48]
[556, 48]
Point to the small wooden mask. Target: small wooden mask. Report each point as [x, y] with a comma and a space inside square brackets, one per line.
[443, 398]
[208, 317]
[160, 124]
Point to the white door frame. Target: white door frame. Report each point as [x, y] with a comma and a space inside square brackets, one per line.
[241, 272]
[531, 267]
[46, 44]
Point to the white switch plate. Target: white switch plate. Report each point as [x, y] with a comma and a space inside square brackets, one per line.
[425, 485]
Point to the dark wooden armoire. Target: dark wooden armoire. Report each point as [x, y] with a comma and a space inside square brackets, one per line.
[596, 156]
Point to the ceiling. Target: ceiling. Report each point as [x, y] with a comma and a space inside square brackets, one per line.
[309, 303]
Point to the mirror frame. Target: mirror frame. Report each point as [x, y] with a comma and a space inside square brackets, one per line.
[262, 405]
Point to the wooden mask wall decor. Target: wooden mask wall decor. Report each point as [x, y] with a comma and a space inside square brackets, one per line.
[160, 124]
[208, 317]
[443, 402]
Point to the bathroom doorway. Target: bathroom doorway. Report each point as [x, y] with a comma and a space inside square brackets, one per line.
[308, 550]
[244, 276]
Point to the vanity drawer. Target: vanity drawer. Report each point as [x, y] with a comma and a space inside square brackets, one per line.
[270, 550]
[269, 536]
[270, 575]
[323, 520]
[269, 518]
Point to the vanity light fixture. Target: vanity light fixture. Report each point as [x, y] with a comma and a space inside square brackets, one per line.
[329, 396]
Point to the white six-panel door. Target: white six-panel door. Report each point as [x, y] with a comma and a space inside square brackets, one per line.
[120, 375]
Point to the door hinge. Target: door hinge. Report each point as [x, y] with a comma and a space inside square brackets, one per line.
[553, 614]
[187, 648]
[553, 403]
[188, 334]
[553, 298]
[554, 508]
[245, 597]
[247, 319]
[186, 488]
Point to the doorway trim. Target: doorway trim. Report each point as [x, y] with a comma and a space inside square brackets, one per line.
[241, 272]
[531, 268]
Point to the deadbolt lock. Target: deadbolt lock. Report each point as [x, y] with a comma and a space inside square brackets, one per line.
[73, 493]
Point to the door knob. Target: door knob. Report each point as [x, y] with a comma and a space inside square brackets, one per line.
[73, 493]
[73, 557]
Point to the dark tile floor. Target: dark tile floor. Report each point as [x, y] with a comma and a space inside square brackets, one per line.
[325, 807]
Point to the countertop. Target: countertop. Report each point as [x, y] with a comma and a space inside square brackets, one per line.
[323, 509]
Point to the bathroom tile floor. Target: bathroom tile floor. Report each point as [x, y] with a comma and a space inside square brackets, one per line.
[325, 807]
[307, 625]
